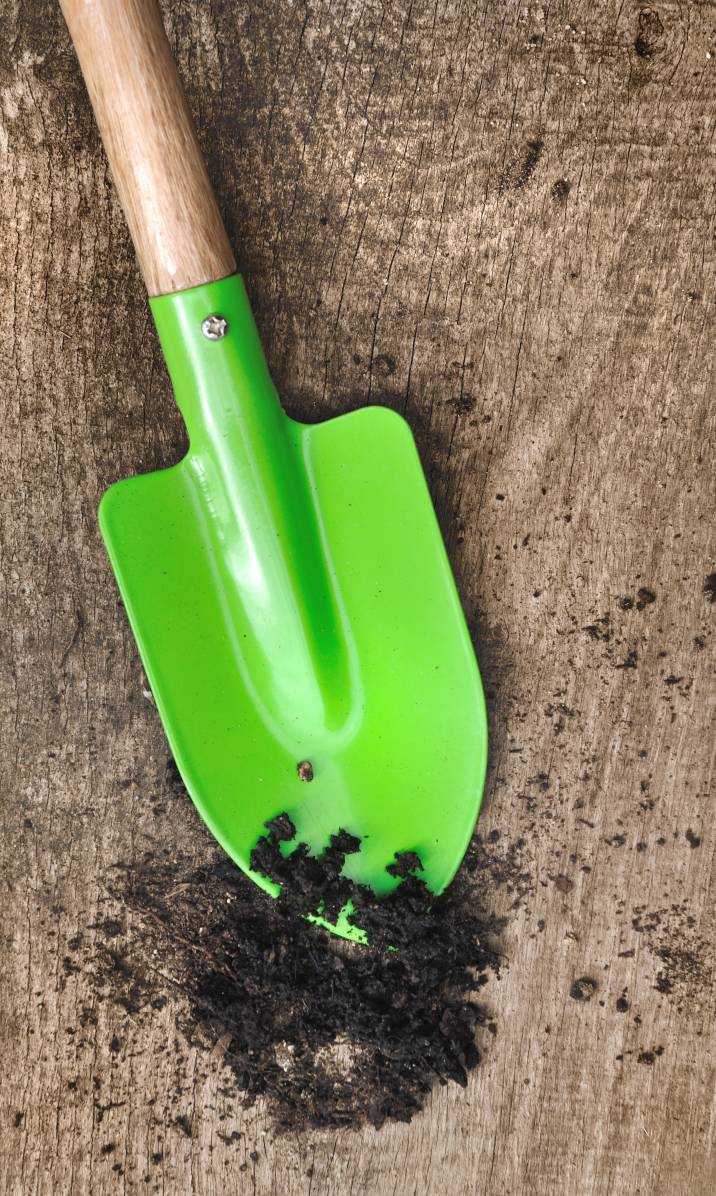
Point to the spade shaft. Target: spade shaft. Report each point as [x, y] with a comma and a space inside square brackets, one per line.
[151, 143]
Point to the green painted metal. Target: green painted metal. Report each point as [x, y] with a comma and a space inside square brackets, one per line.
[292, 600]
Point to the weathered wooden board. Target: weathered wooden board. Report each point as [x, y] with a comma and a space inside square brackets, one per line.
[499, 219]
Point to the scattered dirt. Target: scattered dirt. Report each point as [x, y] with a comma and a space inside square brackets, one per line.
[600, 628]
[328, 1033]
[618, 632]
[504, 867]
[710, 587]
[684, 953]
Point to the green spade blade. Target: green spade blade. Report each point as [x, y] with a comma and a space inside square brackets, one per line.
[292, 601]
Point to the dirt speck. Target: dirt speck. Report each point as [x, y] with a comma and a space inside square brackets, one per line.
[644, 598]
[630, 660]
[650, 1057]
[583, 989]
[383, 365]
[533, 153]
[649, 34]
[519, 171]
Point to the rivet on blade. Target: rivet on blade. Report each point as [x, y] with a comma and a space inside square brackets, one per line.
[215, 327]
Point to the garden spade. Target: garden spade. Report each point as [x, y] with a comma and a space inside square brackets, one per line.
[287, 585]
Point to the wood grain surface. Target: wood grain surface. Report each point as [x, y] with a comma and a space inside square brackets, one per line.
[497, 218]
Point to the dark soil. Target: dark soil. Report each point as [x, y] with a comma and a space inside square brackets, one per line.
[328, 1033]
[650, 34]
[532, 156]
[561, 189]
[644, 598]
[583, 989]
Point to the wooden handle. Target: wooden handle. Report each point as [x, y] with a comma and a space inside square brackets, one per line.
[151, 142]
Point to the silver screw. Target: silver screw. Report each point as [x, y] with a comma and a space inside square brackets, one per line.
[215, 327]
